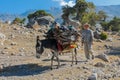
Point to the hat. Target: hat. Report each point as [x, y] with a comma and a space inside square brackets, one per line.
[86, 25]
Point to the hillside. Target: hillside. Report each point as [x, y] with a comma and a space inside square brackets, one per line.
[18, 61]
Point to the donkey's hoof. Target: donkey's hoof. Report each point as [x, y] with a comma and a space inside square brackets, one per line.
[71, 65]
[51, 68]
[57, 67]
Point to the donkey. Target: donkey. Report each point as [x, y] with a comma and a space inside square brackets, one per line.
[52, 45]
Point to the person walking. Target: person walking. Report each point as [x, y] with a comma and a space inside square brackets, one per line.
[87, 41]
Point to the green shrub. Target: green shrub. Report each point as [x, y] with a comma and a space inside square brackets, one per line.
[103, 36]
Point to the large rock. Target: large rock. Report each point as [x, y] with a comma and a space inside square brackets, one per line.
[100, 64]
[110, 39]
[93, 77]
[103, 57]
[74, 23]
[45, 20]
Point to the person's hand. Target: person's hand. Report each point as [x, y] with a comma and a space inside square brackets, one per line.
[82, 44]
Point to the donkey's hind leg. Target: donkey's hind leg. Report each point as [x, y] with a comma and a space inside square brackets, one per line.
[55, 54]
[57, 57]
[75, 50]
[52, 62]
[72, 57]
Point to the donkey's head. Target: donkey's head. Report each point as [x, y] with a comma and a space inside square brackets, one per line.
[39, 48]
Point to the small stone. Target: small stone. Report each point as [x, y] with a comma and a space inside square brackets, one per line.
[6, 48]
[78, 67]
[12, 36]
[4, 52]
[21, 54]
[110, 39]
[84, 67]
[12, 53]
[93, 77]
[99, 40]
[21, 49]
[100, 64]
[13, 43]
[52, 74]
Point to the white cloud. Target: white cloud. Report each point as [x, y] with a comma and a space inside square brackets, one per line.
[71, 3]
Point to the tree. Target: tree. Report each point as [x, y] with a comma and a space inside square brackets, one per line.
[105, 25]
[102, 15]
[115, 24]
[80, 7]
[23, 21]
[91, 7]
[84, 12]
[67, 10]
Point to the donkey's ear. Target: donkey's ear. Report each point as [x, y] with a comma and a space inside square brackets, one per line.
[37, 37]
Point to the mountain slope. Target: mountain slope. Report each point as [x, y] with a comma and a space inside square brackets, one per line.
[112, 10]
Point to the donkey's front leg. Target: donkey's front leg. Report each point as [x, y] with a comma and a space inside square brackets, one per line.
[72, 57]
[52, 62]
[56, 55]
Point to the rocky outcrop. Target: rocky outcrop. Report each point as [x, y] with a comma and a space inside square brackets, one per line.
[45, 20]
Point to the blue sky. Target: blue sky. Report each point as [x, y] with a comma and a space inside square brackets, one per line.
[20, 6]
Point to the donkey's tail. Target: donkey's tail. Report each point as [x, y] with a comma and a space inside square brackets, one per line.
[37, 37]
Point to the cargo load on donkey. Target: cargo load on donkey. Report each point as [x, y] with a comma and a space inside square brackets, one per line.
[66, 37]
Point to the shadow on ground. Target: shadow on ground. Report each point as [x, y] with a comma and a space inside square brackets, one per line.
[64, 60]
[24, 70]
[115, 51]
[29, 69]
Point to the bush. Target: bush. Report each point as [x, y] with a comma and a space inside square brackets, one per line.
[39, 13]
[103, 36]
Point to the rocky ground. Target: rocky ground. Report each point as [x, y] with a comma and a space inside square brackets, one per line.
[18, 61]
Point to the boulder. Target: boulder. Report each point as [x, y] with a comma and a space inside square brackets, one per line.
[103, 57]
[45, 20]
[110, 39]
[100, 64]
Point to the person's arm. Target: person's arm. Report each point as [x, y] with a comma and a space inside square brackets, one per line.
[92, 36]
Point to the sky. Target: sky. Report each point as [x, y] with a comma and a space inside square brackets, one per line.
[20, 6]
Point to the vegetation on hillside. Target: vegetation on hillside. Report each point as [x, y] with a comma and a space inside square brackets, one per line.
[19, 21]
[82, 11]
[39, 13]
[85, 13]
[112, 25]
